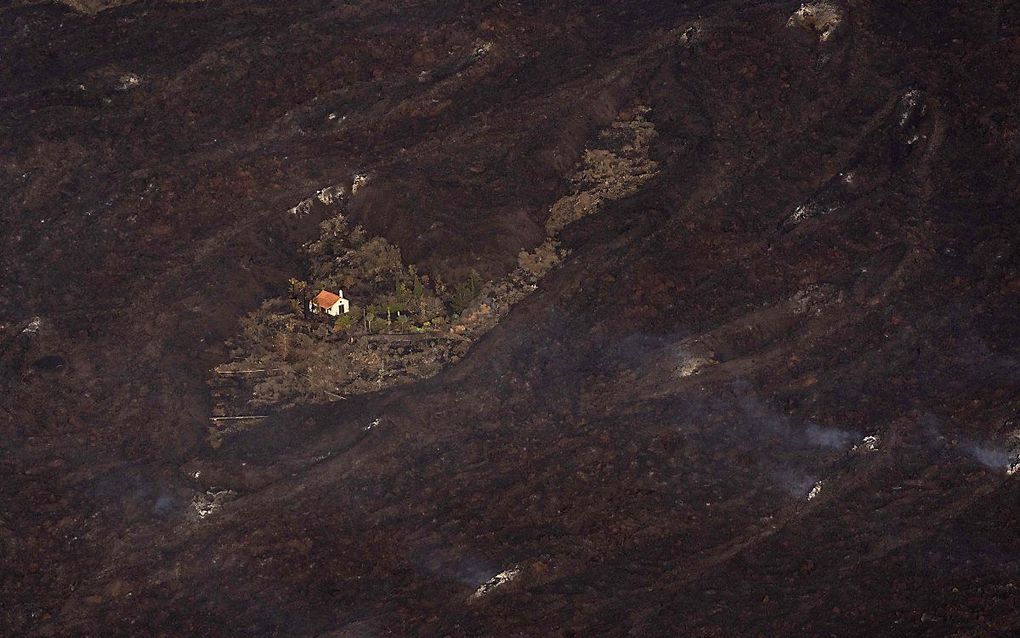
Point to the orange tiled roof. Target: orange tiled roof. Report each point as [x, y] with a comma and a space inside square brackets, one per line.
[325, 299]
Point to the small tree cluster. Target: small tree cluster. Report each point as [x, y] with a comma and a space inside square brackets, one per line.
[465, 292]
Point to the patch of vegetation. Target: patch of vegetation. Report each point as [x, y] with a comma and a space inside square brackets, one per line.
[403, 325]
[399, 329]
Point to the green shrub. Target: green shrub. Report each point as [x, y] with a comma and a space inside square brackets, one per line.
[343, 323]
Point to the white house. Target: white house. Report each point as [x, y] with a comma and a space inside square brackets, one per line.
[329, 303]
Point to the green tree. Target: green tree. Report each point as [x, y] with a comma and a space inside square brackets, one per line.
[332, 239]
[465, 292]
[299, 294]
[298, 288]
[370, 316]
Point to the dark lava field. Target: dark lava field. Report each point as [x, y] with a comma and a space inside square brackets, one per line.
[772, 388]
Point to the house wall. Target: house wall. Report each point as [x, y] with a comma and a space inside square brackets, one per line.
[339, 308]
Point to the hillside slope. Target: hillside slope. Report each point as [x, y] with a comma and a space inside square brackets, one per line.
[771, 390]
